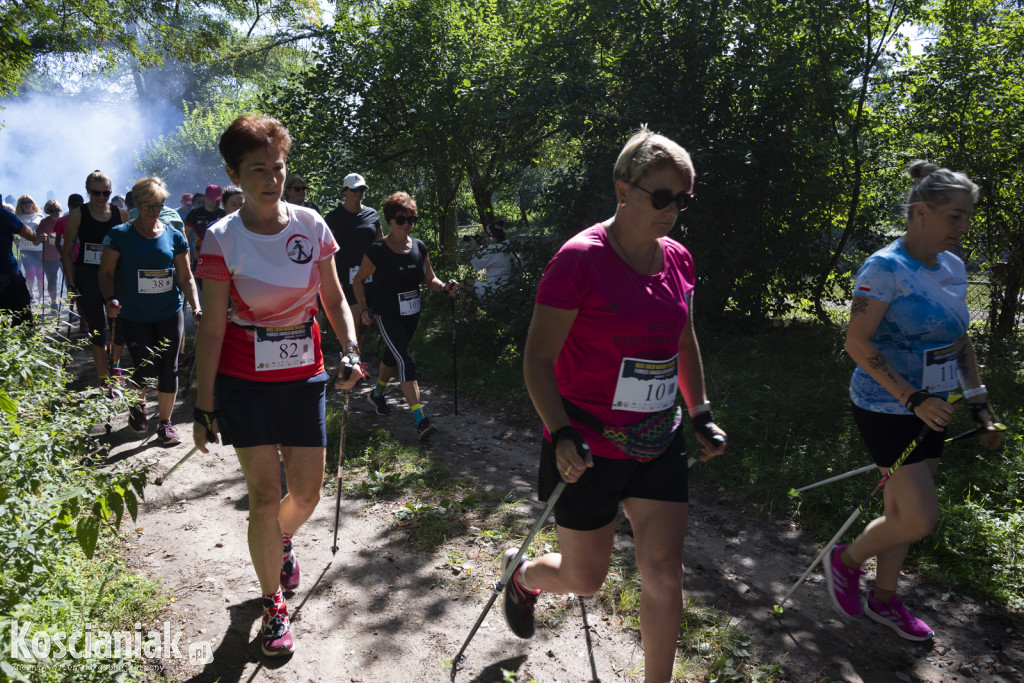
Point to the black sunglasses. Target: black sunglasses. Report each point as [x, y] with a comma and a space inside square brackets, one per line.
[662, 198]
[100, 193]
[402, 220]
[356, 189]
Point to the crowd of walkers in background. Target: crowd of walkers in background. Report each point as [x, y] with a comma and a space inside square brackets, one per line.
[268, 263]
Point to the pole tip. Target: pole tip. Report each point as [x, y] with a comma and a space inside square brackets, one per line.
[334, 550]
[159, 481]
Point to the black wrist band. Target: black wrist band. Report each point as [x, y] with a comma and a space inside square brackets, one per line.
[917, 398]
[569, 432]
[702, 423]
[977, 408]
[205, 417]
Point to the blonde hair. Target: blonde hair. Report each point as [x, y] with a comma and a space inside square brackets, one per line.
[51, 206]
[646, 150]
[35, 207]
[934, 185]
[150, 191]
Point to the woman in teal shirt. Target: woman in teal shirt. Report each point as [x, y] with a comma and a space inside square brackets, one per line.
[150, 262]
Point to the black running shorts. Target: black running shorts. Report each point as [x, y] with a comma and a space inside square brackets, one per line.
[265, 413]
[593, 501]
[887, 436]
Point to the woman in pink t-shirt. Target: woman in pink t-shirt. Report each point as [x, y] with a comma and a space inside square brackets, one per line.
[260, 370]
[610, 340]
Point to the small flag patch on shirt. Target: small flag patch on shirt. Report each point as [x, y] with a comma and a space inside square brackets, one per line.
[863, 288]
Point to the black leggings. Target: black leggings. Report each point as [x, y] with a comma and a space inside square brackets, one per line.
[90, 305]
[397, 331]
[144, 342]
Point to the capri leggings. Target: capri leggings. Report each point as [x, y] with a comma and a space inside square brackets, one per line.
[90, 305]
[397, 331]
[154, 349]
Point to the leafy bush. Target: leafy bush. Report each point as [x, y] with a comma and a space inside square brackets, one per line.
[52, 496]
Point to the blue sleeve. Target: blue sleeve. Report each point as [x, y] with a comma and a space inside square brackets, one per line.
[179, 244]
[10, 221]
[110, 240]
[875, 280]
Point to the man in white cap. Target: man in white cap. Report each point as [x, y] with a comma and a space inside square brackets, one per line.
[355, 227]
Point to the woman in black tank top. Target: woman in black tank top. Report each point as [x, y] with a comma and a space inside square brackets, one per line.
[86, 228]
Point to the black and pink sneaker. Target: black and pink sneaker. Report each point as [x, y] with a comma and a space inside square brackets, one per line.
[519, 604]
[275, 634]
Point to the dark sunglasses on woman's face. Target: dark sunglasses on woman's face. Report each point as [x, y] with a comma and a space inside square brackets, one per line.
[401, 220]
[99, 193]
[662, 198]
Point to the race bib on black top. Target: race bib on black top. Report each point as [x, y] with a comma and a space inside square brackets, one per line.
[92, 253]
[409, 302]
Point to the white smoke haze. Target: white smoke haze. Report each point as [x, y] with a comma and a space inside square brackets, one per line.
[50, 143]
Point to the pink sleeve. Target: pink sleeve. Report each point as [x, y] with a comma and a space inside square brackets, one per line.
[211, 264]
[565, 278]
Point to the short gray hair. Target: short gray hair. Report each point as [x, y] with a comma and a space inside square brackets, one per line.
[934, 185]
[645, 150]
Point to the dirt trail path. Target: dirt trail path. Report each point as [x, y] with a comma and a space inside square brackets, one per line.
[381, 611]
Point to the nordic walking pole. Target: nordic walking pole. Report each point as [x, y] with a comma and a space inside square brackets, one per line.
[159, 481]
[977, 431]
[455, 367]
[499, 585]
[838, 477]
[346, 370]
[952, 398]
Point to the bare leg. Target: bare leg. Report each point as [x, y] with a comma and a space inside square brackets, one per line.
[580, 568]
[261, 466]
[411, 391]
[304, 468]
[910, 514]
[659, 531]
[165, 404]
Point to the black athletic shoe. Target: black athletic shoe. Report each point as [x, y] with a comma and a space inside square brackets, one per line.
[519, 604]
[379, 403]
[425, 429]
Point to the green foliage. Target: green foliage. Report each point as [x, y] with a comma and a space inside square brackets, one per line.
[102, 592]
[51, 494]
[964, 108]
[190, 155]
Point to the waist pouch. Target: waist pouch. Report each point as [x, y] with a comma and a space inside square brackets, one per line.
[644, 440]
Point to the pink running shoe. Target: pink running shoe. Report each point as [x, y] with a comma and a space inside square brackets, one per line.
[289, 569]
[275, 634]
[897, 617]
[843, 584]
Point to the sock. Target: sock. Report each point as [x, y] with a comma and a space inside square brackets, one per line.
[273, 602]
[520, 576]
[286, 540]
[417, 412]
[378, 390]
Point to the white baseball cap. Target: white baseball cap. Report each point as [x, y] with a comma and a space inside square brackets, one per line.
[354, 181]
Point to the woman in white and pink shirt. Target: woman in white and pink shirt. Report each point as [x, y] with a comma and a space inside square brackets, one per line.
[261, 381]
